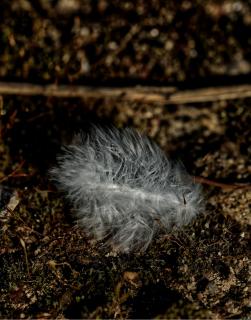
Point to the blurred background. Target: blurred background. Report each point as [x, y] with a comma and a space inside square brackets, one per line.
[50, 270]
[149, 42]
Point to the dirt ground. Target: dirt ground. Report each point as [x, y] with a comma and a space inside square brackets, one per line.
[48, 267]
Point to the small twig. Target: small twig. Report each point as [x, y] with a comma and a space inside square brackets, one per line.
[40, 115]
[25, 254]
[161, 95]
[221, 185]
[14, 173]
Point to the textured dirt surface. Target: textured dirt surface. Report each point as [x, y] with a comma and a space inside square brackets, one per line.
[73, 41]
[48, 267]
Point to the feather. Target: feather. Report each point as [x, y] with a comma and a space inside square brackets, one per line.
[123, 187]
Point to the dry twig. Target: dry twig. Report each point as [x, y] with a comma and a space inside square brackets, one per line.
[221, 185]
[160, 95]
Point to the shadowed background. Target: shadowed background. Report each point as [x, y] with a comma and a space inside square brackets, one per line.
[48, 267]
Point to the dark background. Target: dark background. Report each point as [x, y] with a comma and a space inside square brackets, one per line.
[48, 268]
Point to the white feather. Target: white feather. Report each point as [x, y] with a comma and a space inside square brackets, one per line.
[124, 188]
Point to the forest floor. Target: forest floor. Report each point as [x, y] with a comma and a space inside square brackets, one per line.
[48, 267]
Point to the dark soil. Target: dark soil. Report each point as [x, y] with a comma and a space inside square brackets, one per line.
[48, 267]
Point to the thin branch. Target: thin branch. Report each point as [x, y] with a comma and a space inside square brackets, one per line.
[14, 173]
[25, 255]
[226, 186]
[162, 95]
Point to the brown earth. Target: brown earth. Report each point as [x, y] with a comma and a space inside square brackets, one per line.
[48, 267]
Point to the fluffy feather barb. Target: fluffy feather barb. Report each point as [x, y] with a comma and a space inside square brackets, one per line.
[124, 188]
